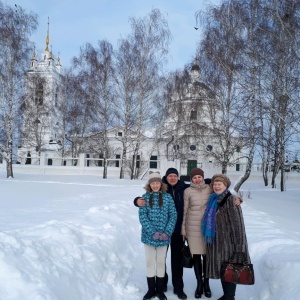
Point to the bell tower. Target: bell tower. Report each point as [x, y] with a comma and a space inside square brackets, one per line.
[42, 118]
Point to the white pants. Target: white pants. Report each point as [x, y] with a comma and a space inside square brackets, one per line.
[155, 260]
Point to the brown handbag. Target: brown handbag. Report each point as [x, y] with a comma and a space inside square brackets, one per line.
[237, 273]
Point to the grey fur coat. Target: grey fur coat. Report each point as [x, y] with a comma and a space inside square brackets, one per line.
[230, 236]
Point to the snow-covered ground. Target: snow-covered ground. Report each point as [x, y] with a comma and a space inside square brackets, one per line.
[78, 238]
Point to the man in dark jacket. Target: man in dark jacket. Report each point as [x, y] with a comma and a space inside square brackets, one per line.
[176, 189]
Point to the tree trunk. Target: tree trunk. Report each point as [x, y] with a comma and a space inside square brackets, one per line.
[9, 169]
[252, 128]
[104, 167]
[265, 167]
[122, 169]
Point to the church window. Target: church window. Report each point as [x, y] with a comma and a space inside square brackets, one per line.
[193, 115]
[118, 156]
[39, 94]
[192, 147]
[153, 162]
[209, 148]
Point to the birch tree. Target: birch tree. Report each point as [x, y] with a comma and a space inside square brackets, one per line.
[95, 67]
[146, 50]
[16, 26]
[267, 78]
[125, 105]
[280, 29]
[221, 53]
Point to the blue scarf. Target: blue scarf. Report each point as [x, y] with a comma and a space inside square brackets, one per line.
[209, 219]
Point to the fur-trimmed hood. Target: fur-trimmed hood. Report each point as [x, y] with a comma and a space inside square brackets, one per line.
[163, 188]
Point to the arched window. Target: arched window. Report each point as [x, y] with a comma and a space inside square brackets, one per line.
[39, 94]
[193, 115]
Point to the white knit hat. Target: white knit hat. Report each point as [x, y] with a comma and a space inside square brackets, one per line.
[154, 177]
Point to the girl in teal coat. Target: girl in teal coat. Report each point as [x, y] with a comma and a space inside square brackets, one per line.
[158, 219]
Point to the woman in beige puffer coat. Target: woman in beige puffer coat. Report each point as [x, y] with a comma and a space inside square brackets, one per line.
[195, 200]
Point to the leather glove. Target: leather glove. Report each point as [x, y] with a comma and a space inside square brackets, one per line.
[156, 236]
[163, 237]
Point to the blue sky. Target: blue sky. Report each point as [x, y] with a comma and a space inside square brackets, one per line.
[73, 23]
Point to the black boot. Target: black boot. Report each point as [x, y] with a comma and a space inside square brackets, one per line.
[166, 281]
[198, 272]
[160, 283]
[151, 289]
[222, 282]
[206, 287]
[229, 290]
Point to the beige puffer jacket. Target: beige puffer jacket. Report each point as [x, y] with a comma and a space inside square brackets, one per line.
[195, 201]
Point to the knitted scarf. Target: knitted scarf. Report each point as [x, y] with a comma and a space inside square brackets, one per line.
[209, 219]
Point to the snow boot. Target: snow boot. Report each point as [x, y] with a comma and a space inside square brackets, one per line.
[229, 290]
[160, 284]
[166, 281]
[151, 289]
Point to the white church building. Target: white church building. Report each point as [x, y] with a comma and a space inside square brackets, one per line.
[184, 143]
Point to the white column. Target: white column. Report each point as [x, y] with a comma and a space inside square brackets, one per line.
[82, 160]
[42, 159]
[177, 165]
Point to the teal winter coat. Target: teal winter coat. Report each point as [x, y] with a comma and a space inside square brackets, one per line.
[157, 219]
